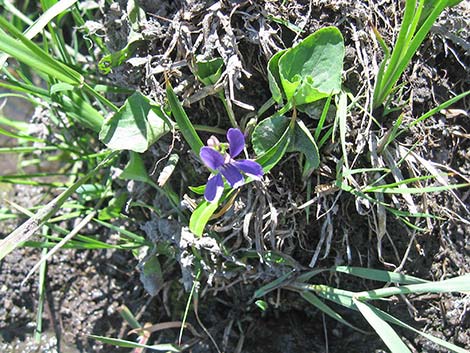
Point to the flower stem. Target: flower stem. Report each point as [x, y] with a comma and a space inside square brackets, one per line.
[228, 109]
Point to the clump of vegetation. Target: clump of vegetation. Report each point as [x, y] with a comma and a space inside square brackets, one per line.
[116, 147]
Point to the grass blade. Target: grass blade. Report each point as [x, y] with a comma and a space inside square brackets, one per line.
[184, 124]
[387, 317]
[457, 284]
[378, 275]
[272, 285]
[322, 119]
[438, 109]
[129, 317]
[384, 330]
[31, 54]
[124, 232]
[315, 301]
[341, 114]
[57, 246]
[28, 228]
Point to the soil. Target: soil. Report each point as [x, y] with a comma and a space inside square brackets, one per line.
[86, 289]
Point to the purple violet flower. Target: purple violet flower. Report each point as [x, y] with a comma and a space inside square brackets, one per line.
[216, 158]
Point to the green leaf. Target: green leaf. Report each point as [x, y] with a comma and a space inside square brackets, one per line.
[378, 275]
[31, 54]
[344, 298]
[384, 330]
[135, 126]
[409, 39]
[124, 233]
[277, 283]
[312, 69]
[429, 6]
[451, 3]
[127, 315]
[61, 87]
[201, 216]
[339, 296]
[269, 132]
[315, 301]
[273, 155]
[209, 72]
[28, 228]
[130, 344]
[304, 143]
[89, 192]
[110, 61]
[284, 22]
[114, 207]
[135, 169]
[457, 284]
[80, 110]
[274, 79]
[261, 304]
[387, 317]
[151, 274]
[183, 122]
[199, 190]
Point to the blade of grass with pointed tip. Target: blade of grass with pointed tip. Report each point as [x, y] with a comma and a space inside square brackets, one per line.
[388, 190]
[384, 330]
[322, 119]
[344, 298]
[438, 109]
[457, 284]
[378, 275]
[182, 120]
[315, 301]
[387, 317]
[272, 285]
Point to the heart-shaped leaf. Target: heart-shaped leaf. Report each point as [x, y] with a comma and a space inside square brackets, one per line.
[209, 72]
[309, 71]
[304, 142]
[270, 131]
[136, 126]
[274, 79]
[135, 169]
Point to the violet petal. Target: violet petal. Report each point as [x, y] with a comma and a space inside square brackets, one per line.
[233, 175]
[236, 141]
[214, 188]
[211, 158]
[249, 167]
